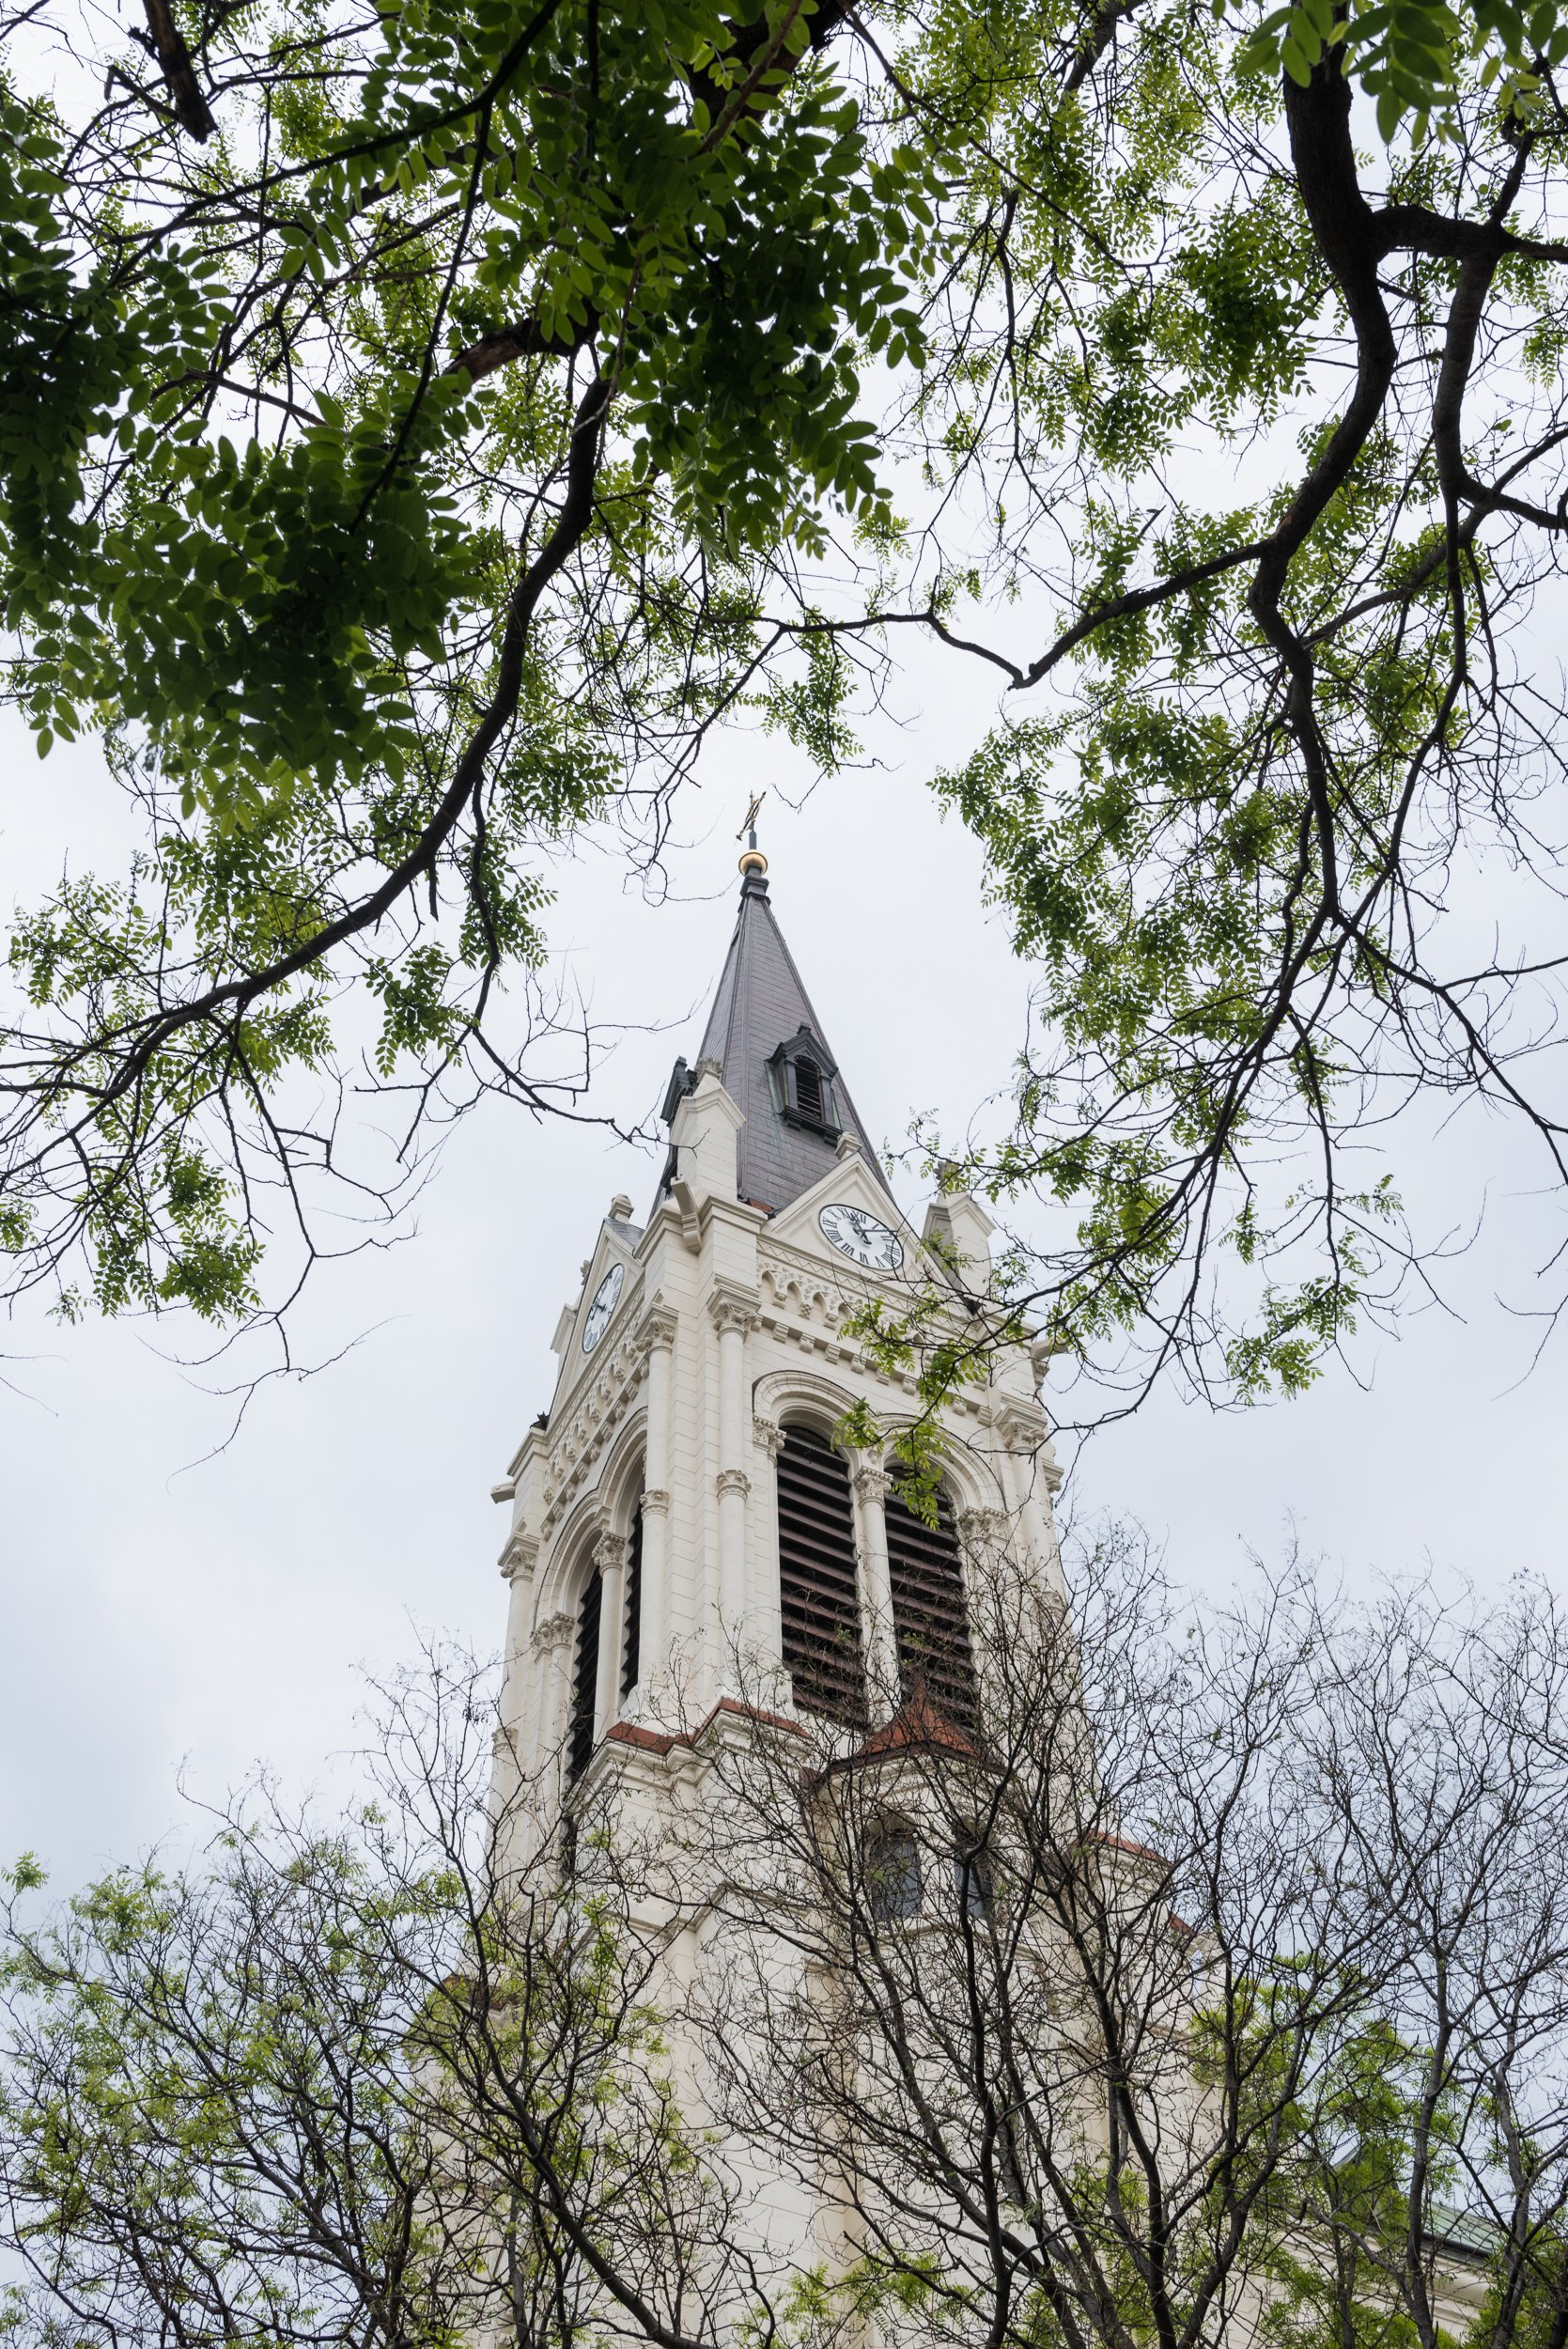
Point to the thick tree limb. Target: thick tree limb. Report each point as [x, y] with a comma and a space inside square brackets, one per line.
[1137, 600]
[168, 42]
[1415, 228]
[1110, 14]
[523, 341]
[754, 36]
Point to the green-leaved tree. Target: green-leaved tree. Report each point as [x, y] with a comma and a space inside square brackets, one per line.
[424, 425]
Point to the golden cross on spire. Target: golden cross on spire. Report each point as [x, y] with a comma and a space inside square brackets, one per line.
[752, 858]
[749, 821]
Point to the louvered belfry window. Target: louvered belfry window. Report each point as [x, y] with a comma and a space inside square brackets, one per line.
[632, 1645]
[818, 1597]
[808, 1088]
[802, 1081]
[928, 1611]
[585, 1686]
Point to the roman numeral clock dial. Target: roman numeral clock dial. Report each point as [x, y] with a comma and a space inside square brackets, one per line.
[606, 1297]
[862, 1238]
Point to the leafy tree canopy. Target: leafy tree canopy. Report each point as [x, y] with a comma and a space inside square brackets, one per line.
[422, 425]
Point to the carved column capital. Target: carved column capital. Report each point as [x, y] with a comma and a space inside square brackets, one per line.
[732, 1480]
[519, 1558]
[556, 1631]
[982, 1530]
[609, 1550]
[731, 1308]
[657, 1327]
[872, 1482]
[1022, 1426]
[655, 1504]
[768, 1436]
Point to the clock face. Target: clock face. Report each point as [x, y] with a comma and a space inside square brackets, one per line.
[606, 1297]
[862, 1238]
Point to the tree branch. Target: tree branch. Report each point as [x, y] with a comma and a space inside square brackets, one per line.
[168, 43]
[570, 525]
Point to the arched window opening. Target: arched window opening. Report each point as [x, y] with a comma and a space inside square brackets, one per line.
[930, 1620]
[808, 1088]
[632, 1645]
[802, 1077]
[892, 1874]
[585, 1686]
[818, 1599]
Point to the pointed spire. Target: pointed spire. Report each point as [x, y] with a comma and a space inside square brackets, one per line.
[761, 1027]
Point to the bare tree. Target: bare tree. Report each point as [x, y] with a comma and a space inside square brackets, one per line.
[398, 2081]
[1147, 1974]
[1195, 1982]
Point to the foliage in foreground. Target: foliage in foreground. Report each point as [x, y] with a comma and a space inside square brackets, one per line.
[424, 427]
[1222, 1958]
[348, 2085]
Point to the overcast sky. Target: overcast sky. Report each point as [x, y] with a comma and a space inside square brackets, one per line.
[162, 1619]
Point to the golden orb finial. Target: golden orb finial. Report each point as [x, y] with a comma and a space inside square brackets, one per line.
[752, 858]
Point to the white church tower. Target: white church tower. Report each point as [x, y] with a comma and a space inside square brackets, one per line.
[714, 1588]
[686, 1524]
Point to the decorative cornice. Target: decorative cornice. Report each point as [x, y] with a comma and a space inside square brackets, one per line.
[732, 1480]
[669, 1741]
[810, 1283]
[799, 1290]
[555, 1632]
[589, 1426]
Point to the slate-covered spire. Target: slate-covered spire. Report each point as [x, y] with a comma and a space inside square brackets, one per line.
[775, 1060]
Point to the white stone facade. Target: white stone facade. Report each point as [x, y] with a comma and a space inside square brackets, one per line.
[729, 1324]
[728, 1327]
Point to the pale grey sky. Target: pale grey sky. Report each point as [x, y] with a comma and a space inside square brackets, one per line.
[156, 1619]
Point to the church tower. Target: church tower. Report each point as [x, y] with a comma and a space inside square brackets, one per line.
[687, 1525]
[909, 1972]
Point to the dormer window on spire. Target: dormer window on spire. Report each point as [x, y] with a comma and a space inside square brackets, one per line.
[801, 1076]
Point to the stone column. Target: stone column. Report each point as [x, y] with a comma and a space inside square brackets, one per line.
[989, 1590]
[552, 1648]
[1031, 1476]
[872, 1484]
[610, 1557]
[517, 1566]
[762, 1610]
[735, 1490]
[982, 1537]
[653, 1662]
[733, 1315]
